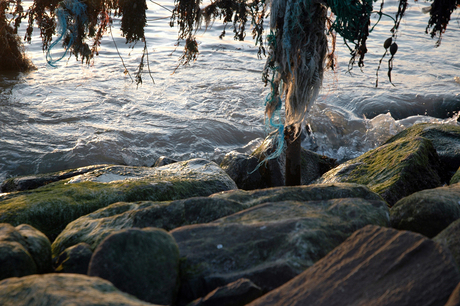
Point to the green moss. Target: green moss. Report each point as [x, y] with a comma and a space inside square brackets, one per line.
[394, 170]
[50, 208]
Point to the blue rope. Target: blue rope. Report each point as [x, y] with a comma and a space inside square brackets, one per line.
[67, 10]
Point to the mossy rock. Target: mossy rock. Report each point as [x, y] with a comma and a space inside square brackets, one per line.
[50, 208]
[394, 170]
[445, 139]
[94, 227]
[427, 212]
[29, 182]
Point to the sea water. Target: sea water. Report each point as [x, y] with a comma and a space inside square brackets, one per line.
[75, 114]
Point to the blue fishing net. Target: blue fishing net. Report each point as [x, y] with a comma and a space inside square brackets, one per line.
[71, 14]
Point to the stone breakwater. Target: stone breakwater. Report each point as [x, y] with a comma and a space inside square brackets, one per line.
[381, 229]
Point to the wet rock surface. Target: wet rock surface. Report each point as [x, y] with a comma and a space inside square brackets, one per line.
[375, 266]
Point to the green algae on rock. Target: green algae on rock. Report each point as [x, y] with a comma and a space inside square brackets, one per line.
[394, 170]
[445, 139]
[50, 208]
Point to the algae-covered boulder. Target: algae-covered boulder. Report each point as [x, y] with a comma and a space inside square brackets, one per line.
[50, 208]
[23, 251]
[37, 180]
[375, 266]
[276, 239]
[242, 168]
[63, 289]
[94, 227]
[394, 170]
[427, 212]
[445, 139]
[141, 262]
[450, 238]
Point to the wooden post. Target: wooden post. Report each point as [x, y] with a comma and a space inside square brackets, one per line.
[292, 174]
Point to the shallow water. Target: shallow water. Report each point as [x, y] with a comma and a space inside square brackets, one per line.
[76, 115]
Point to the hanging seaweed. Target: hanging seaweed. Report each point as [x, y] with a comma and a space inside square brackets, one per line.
[188, 16]
[12, 55]
[440, 12]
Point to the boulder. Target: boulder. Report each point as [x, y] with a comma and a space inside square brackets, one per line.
[15, 260]
[450, 238]
[427, 212]
[63, 289]
[274, 240]
[74, 259]
[238, 293]
[141, 262]
[38, 246]
[394, 170]
[316, 192]
[249, 174]
[374, 266]
[94, 227]
[50, 208]
[454, 299]
[23, 251]
[445, 139]
[29, 182]
[241, 168]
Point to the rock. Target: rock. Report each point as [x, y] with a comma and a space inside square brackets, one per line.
[298, 193]
[374, 266]
[144, 263]
[50, 208]
[238, 293]
[23, 251]
[273, 241]
[454, 299]
[94, 227]
[242, 168]
[63, 289]
[456, 178]
[427, 212]
[163, 161]
[15, 260]
[394, 170]
[445, 139]
[34, 181]
[38, 245]
[450, 238]
[74, 259]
